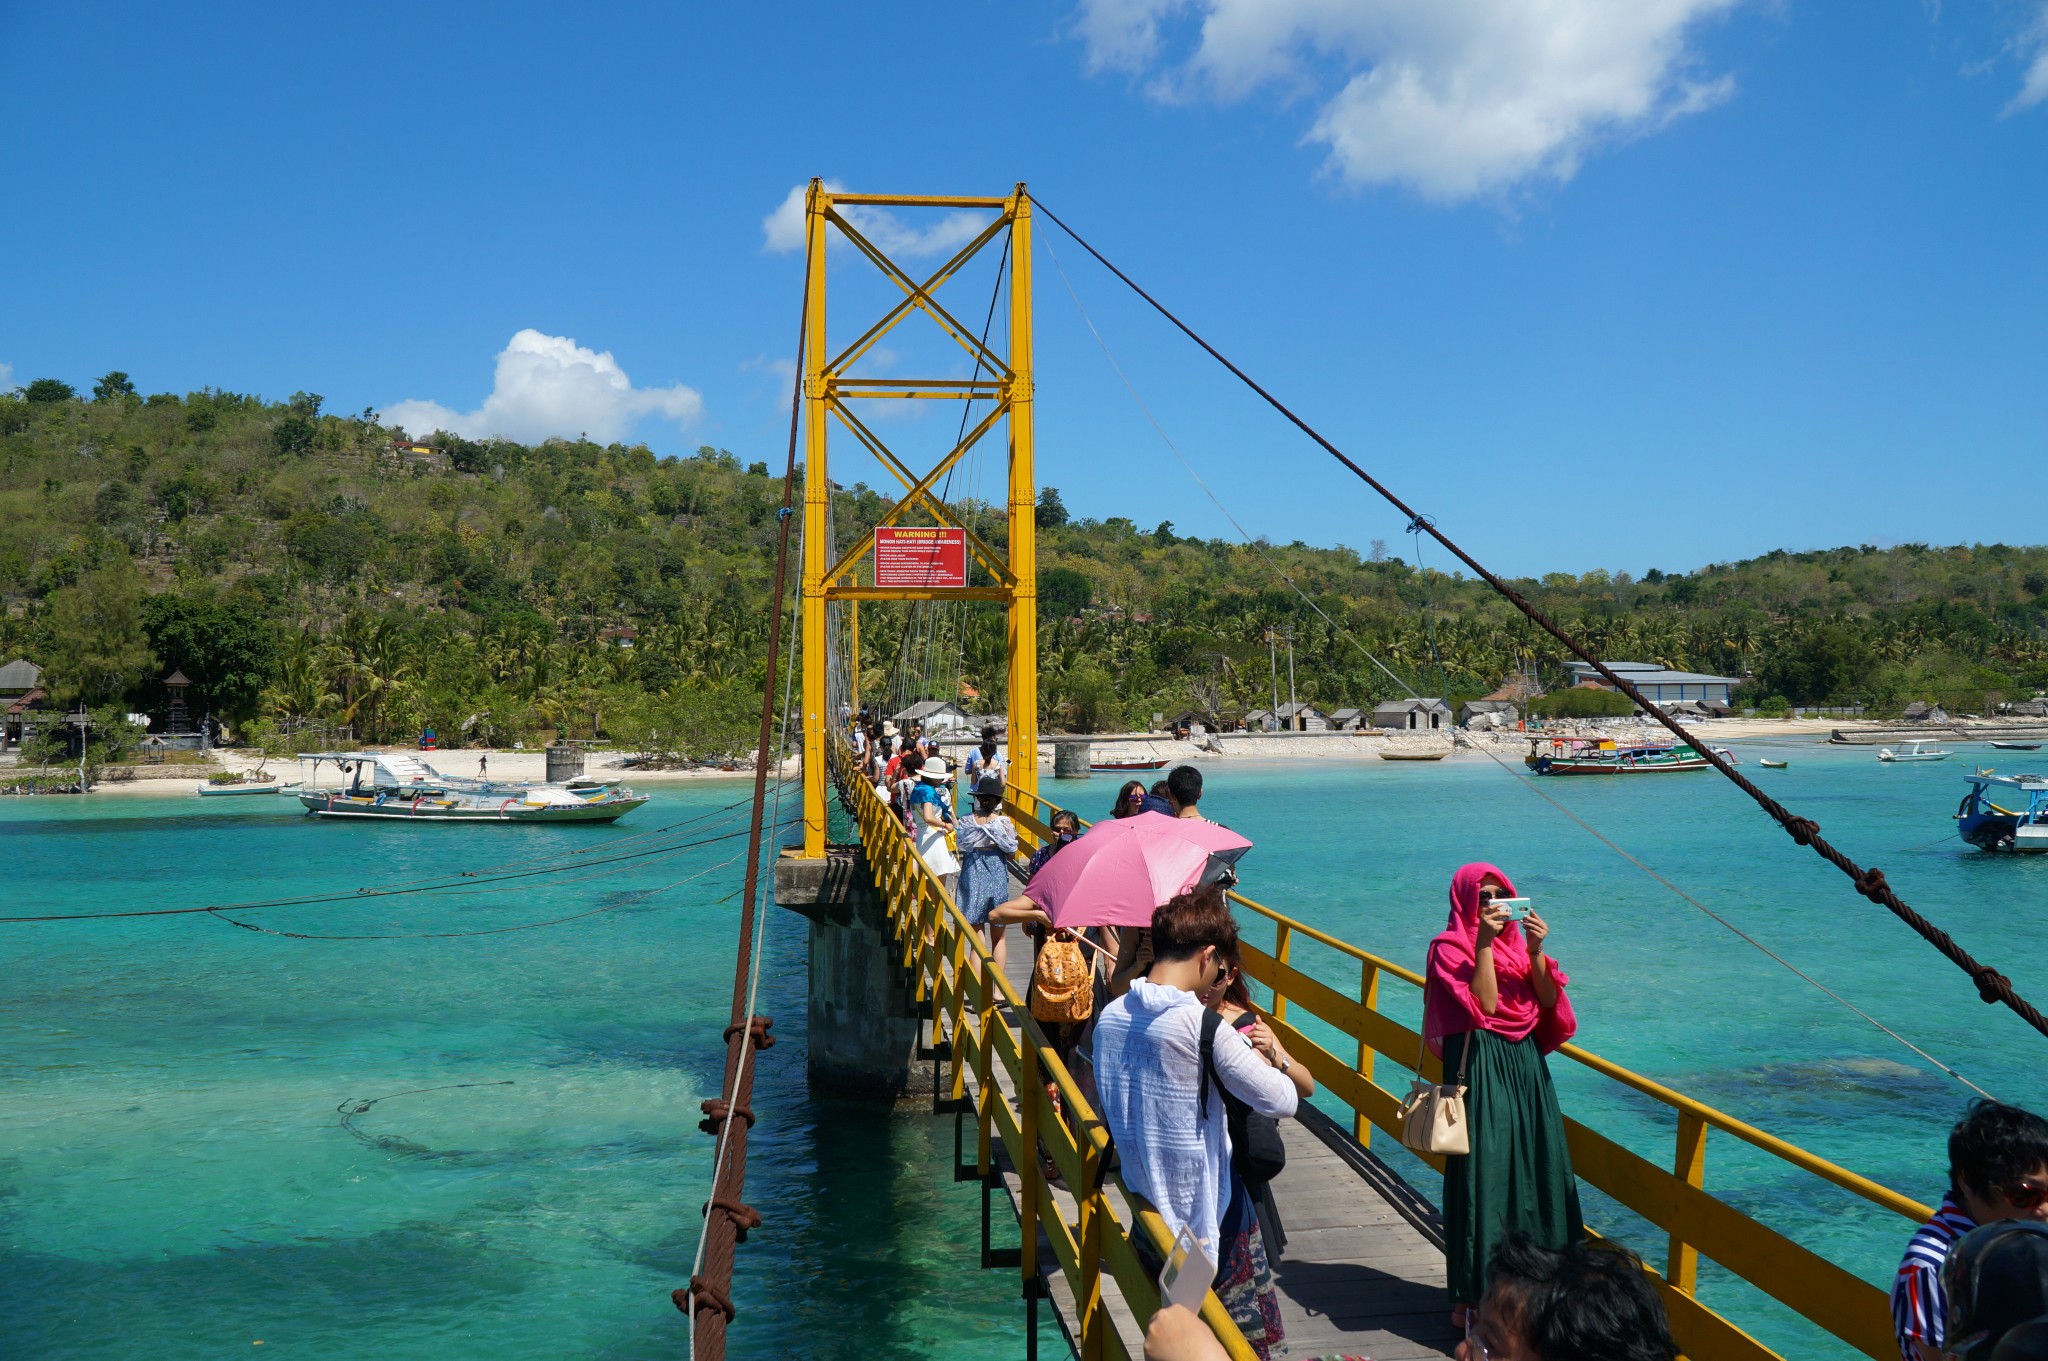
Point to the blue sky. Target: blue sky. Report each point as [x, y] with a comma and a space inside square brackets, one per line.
[1626, 283]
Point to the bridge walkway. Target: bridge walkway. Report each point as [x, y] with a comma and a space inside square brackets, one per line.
[1363, 1274]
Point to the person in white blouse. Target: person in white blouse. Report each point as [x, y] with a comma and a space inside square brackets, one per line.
[1171, 1132]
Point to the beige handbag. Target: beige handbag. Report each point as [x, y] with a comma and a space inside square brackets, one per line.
[1433, 1116]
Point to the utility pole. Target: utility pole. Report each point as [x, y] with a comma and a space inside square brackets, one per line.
[83, 723]
[1290, 665]
[1273, 669]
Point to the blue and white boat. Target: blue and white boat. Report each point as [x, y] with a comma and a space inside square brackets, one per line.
[2005, 812]
[395, 785]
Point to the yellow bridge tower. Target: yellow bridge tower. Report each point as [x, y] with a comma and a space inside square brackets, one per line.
[830, 395]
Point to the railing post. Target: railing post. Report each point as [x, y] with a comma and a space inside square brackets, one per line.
[1088, 1301]
[1682, 1269]
[1283, 942]
[1369, 995]
[1030, 1174]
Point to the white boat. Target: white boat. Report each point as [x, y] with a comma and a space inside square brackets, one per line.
[1917, 751]
[221, 791]
[1768, 764]
[396, 785]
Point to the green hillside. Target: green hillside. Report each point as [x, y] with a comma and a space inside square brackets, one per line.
[303, 570]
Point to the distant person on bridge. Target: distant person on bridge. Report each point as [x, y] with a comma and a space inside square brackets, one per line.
[1169, 1127]
[931, 817]
[986, 760]
[987, 840]
[1495, 1006]
[1997, 1169]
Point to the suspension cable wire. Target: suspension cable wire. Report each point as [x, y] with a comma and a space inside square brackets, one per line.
[1352, 638]
[623, 900]
[1992, 986]
[359, 895]
[707, 1300]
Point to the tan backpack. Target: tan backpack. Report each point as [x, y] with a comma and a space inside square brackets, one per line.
[1062, 984]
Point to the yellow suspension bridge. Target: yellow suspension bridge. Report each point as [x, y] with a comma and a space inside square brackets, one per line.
[1364, 1271]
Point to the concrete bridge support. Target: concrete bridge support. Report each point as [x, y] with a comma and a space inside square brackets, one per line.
[863, 1030]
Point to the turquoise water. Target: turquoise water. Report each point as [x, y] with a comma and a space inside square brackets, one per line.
[176, 1180]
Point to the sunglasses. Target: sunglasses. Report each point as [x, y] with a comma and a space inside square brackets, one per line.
[1492, 895]
[2025, 1195]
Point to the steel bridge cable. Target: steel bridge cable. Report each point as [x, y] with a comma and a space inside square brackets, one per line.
[1352, 638]
[1992, 986]
[707, 1300]
[359, 894]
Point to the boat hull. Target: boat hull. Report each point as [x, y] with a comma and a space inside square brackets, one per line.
[1413, 755]
[1547, 766]
[228, 791]
[1118, 767]
[422, 810]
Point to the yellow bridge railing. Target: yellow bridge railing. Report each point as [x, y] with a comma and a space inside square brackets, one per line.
[1676, 1200]
[987, 1024]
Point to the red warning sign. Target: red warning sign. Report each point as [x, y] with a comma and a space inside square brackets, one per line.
[920, 557]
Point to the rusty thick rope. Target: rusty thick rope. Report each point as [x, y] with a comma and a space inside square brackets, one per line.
[708, 1298]
[1992, 986]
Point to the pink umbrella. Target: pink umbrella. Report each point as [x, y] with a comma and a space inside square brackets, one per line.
[1122, 869]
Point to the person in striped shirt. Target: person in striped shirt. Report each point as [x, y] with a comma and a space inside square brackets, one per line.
[1997, 1170]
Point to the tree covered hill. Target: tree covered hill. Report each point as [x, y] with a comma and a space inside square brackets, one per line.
[307, 568]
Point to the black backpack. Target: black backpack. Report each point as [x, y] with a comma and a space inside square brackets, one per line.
[1255, 1141]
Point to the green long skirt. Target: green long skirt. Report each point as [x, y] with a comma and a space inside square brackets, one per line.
[1519, 1172]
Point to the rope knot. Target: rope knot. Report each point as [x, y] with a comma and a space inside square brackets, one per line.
[717, 1110]
[757, 1032]
[742, 1215]
[1802, 830]
[1991, 984]
[1870, 883]
[701, 1294]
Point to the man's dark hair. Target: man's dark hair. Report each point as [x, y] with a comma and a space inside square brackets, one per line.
[1186, 923]
[988, 733]
[1185, 784]
[913, 761]
[1995, 1145]
[1590, 1302]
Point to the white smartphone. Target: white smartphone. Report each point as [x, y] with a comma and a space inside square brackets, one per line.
[1188, 1273]
[1518, 908]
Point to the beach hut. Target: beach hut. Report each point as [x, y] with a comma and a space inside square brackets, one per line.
[1260, 720]
[1348, 720]
[1412, 715]
[937, 715]
[1303, 717]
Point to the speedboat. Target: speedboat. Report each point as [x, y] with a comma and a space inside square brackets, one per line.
[384, 784]
[2005, 812]
[1918, 751]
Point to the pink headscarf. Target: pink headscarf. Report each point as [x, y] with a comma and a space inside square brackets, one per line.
[1452, 958]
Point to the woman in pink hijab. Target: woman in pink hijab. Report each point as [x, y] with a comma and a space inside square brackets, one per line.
[1496, 1005]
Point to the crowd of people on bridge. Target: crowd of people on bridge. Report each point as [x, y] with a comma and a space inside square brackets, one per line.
[1190, 1079]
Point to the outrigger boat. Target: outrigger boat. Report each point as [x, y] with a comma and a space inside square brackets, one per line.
[1605, 756]
[2017, 746]
[220, 791]
[386, 784]
[1990, 825]
[1916, 752]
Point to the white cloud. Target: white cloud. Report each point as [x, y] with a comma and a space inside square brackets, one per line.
[2034, 84]
[1451, 98]
[782, 231]
[549, 385]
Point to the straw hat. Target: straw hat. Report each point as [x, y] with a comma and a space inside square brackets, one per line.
[935, 770]
[888, 729]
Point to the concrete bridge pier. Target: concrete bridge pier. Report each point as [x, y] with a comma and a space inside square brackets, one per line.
[863, 1027]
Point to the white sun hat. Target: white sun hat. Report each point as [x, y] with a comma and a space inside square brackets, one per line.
[936, 770]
